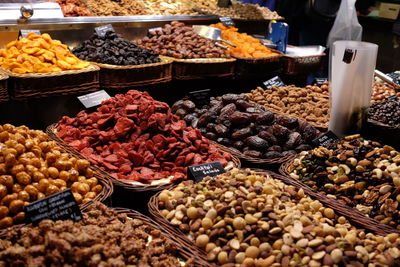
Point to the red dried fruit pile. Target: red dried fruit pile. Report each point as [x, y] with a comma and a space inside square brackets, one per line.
[137, 138]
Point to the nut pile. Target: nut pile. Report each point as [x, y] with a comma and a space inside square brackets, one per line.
[102, 238]
[33, 167]
[386, 111]
[235, 122]
[382, 90]
[136, 138]
[170, 7]
[38, 54]
[253, 220]
[360, 173]
[73, 8]
[115, 50]
[180, 41]
[114, 8]
[304, 103]
[242, 11]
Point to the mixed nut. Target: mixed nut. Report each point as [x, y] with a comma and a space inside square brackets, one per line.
[386, 111]
[247, 219]
[359, 173]
[33, 167]
[248, 128]
[116, 8]
[103, 238]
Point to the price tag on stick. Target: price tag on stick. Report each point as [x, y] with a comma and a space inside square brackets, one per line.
[276, 81]
[24, 33]
[227, 21]
[94, 99]
[60, 206]
[199, 172]
[102, 30]
[328, 138]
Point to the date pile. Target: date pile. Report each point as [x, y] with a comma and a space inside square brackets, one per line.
[235, 122]
[33, 167]
[134, 137]
[360, 173]
[303, 103]
[387, 112]
[180, 41]
[102, 238]
[113, 49]
[249, 219]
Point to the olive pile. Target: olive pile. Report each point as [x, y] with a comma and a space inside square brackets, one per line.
[115, 50]
[32, 167]
[387, 112]
[246, 127]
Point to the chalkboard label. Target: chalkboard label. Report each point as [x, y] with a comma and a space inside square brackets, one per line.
[199, 172]
[227, 21]
[328, 138]
[392, 98]
[93, 99]
[200, 97]
[276, 81]
[102, 30]
[60, 206]
[223, 3]
[24, 33]
[320, 81]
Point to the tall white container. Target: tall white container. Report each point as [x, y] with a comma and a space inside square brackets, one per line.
[352, 66]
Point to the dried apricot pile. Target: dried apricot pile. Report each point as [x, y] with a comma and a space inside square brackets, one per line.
[38, 54]
[246, 45]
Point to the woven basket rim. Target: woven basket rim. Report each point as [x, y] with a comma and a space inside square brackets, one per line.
[202, 60]
[89, 68]
[381, 124]
[3, 75]
[164, 61]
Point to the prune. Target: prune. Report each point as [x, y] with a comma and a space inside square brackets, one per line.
[221, 130]
[204, 119]
[256, 142]
[216, 108]
[243, 104]
[188, 105]
[238, 117]
[238, 145]
[180, 113]
[241, 134]
[232, 98]
[272, 154]
[265, 117]
[177, 105]
[228, 110]
[211, 127]
[289, 123]
[303, 147]
[294, 139]
[224, 141]
[280, 131]
[268, 137]
[310, 133]
[189, 118]
[211, 136]
[252, 153]
[275, 148]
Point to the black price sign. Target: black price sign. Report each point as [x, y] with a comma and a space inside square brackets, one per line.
[24, 33]
[93, 99]
[199, 172]
[224, 3]
[102, 30]
[320, 81]
[60, 206]
[328, 138]
[392, 98]
[200, 97]
[227, 21]
[276, 81]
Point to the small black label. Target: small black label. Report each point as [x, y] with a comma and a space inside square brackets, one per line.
[328, 138]
[392, 98]
[93, 99]
[200, 97]
[60, 206]
[227, 21]
[276, 81]
[199, 172]
[102, 30]
[24, 33]
[224, 3]
[320, 81]
[348, 55]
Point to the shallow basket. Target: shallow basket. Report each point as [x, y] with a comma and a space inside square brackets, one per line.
[302, 65]
[137, 187]
[351, 213]
[3, 87]
[23, 86]
[122, 77]
[202, 68]
[258, 67]
[382, 132]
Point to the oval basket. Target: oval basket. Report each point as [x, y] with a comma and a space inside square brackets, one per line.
[52, 132]
[258, 67]
[351, 213]
[123, 77]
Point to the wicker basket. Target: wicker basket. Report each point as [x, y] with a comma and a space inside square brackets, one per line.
[302, 65]
[379, 131]
[258, 67]
[129, 185]
[3, 87]
[351, 213]
[123, 77]
[202, 68]
[23, 86]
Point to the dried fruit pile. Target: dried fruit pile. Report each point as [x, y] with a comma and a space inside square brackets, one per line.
[357, 172]
[235, 122]
[387, 112]
[136, 138]
[254, 220]
[242, 11]
[246, 45]
[304, 103]
[33, 167]
[38, 54]
[115, 50]
[180, 41]
[102, 238]
[382, 90]
[116, 8]
[73, 8]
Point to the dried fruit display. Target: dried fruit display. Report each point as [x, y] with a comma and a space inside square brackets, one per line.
[357, 172]
[38, 54]
[235, 122]
[116, 8]
[115, 50]
[254, 220]
[102, 238]
[134, 137]
[73, 8]
[33, 167]
[242, 11]
[386, 111]
[180, 41]
[382, 90]
[246, 45]
[303, 103]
